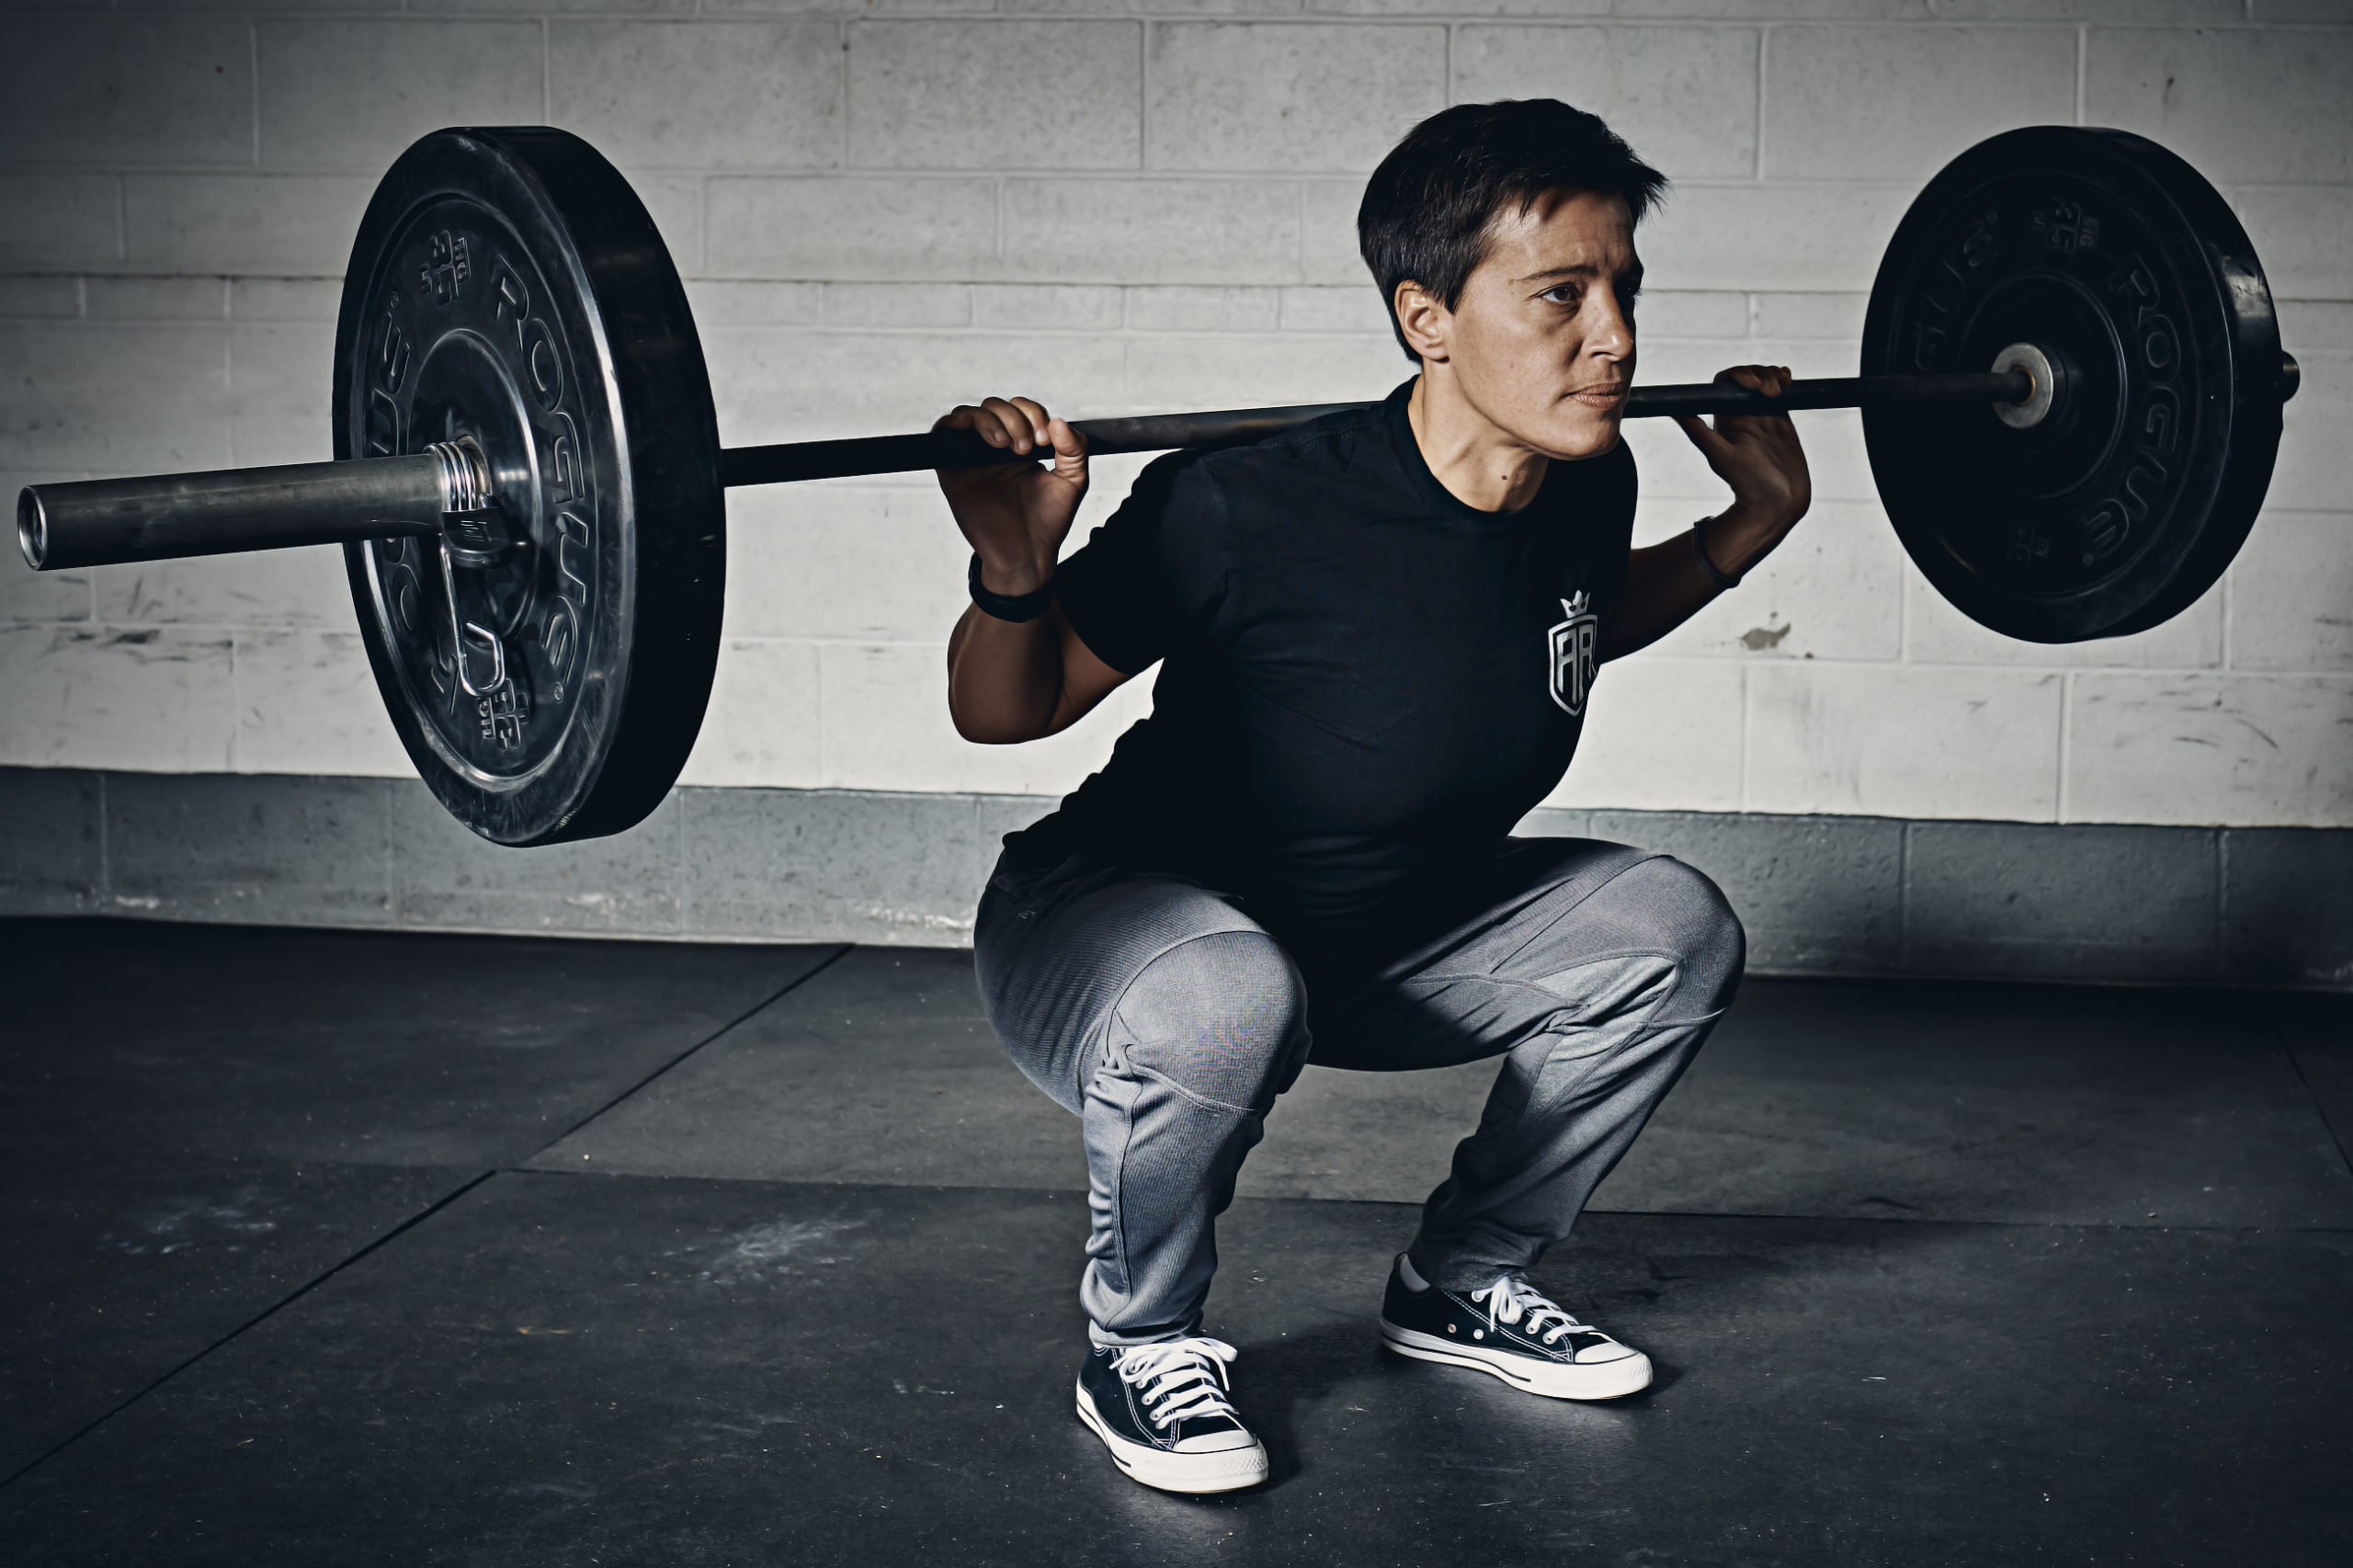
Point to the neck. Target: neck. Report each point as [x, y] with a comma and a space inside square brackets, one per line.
[1480, 463]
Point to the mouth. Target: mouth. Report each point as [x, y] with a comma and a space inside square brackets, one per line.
[1601, 395]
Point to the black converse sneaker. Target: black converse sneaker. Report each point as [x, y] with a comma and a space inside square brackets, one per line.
[1162, 1411]
[1509, 1329]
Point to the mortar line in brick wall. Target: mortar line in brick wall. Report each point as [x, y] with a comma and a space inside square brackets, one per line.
[236, 706]
[2066, 748]
[1746, 662]
[122, 222]
[229, 392]
[1904, 611]
[2083, 53]
[1903, 896]
[2222, 839]
[1756, 163]
[1213, 335]
[1353, 180]
[2222, 939]
[1013, 11]
[683, 794]
[106, 854]
[1747, 721]
[391, 882]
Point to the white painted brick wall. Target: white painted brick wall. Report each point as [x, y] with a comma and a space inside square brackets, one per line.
[886, 206]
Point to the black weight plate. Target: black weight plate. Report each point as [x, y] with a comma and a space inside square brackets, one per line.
[508, 286]
[2120, 261]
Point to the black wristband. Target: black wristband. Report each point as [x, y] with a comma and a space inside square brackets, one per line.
[1009, 607]
[1716, 575]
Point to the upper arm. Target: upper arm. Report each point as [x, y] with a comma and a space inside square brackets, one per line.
[1146, 580]
[1087, 680]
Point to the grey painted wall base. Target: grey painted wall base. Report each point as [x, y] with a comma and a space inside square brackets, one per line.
[1821, 896]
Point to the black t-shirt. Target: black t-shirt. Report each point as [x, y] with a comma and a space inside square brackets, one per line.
[1364, 682]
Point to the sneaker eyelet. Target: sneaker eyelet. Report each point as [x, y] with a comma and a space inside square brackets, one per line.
[1450, 1328]
[1478, 1333]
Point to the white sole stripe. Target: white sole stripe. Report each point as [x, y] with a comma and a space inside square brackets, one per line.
[1602, 1379]
[1227, 1470]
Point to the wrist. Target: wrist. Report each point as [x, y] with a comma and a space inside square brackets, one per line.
[1766, 525]
[1017, 607]
[1722, 577]
[1738, 538]
[1015, 578]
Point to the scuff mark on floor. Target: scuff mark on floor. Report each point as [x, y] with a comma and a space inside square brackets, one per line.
[754, 1254]
[917, 919]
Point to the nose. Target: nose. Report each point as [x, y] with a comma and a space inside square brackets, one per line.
[1611, 335]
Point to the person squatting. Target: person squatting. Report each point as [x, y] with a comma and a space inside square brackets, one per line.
[1378, 637]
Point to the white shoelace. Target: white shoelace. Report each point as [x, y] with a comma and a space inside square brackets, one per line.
[1510, 1299]
[1179, 1378]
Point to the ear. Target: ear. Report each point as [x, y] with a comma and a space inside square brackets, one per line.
[1427, 323]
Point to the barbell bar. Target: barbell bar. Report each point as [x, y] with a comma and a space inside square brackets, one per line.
[105, 522]
[2070, 390]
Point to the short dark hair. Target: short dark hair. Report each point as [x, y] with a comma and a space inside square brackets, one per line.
[1427, 209]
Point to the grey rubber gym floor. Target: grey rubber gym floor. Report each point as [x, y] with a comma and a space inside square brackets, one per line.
[332, 1248]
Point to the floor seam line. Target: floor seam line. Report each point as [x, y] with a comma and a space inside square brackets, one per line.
[402, 1228]
[745, 1016]
[2328, 1123]
[253, 1321]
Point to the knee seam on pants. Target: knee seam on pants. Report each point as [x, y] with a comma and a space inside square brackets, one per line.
[1678, 969]
[1128, 1062]
[1118, 1185]
[1204, 1101]
[1673, 963]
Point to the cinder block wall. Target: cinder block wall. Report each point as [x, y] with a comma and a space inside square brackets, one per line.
[885, 208]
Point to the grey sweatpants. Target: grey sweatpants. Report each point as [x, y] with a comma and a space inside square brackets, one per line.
[1168, 1020]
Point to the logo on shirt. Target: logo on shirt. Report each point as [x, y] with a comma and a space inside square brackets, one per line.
[1570, 646]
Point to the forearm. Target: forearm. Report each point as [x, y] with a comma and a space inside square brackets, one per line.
[1005, 678]
[1667, 585]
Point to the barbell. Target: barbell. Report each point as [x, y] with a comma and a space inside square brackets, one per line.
[2071, 396]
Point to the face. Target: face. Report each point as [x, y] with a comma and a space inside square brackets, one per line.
[1542, 342]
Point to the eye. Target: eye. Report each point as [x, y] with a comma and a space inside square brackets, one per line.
[1568, 294]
